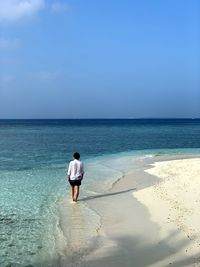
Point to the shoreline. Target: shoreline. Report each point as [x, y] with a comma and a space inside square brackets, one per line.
[123, 230]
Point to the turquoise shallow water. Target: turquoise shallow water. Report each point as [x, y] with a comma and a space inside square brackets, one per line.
[33, 161]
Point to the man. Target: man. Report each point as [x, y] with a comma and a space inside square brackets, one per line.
[75, 176]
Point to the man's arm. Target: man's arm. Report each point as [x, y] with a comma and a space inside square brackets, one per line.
[82, 167]
[69, 171]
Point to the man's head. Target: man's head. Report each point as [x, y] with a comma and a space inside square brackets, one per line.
[76, 155]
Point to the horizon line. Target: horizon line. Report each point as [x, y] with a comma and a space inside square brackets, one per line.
[114, 118]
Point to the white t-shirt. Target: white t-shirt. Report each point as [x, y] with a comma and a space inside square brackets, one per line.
[75, 170]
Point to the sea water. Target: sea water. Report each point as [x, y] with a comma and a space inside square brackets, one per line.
[34, 155]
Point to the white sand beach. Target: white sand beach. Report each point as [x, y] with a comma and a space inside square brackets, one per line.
[157, 225]
[149, 218]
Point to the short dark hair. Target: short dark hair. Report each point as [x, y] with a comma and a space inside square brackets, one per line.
[76, 155]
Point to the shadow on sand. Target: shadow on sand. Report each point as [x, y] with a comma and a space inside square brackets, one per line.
[107, 194]
[131, 252]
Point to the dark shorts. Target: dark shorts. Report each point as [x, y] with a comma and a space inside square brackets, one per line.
[75, 182]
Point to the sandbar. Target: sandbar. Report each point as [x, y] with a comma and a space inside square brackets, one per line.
[151, 217]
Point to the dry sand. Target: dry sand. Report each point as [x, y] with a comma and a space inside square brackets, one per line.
[157, 225]
[174, 203]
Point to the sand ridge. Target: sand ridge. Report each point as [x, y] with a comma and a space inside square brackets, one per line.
[174, 202]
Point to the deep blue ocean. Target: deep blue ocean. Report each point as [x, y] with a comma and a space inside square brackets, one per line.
[33, 143]
[34, 155]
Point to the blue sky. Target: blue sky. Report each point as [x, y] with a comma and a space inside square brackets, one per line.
[99, 59]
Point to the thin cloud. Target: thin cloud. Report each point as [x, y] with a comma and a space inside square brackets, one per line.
[9, 44]
[58, 7]
[12, 10]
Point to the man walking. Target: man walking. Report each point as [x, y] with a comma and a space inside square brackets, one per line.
[75, 176]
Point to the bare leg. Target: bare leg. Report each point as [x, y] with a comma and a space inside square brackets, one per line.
[76, 193]
[72, 192]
